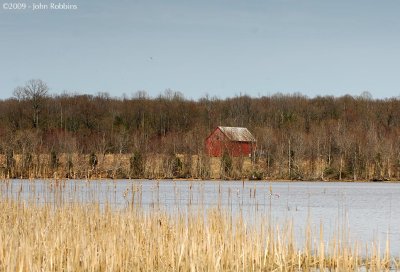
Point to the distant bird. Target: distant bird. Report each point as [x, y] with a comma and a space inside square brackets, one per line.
[275, 195]
[126, 192]
[150, 58]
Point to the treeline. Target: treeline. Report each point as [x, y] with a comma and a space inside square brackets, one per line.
[347, 137]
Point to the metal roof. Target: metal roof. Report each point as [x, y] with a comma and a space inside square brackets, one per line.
[238, 134]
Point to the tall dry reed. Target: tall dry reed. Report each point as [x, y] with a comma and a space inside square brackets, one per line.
[90, 237]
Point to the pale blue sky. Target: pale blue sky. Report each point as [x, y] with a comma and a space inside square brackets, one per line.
[215, 47]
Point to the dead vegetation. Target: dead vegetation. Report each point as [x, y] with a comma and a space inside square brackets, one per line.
[77, 236]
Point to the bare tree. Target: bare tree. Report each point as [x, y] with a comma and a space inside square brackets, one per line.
[35, 91]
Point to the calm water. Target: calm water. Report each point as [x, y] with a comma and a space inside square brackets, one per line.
[371, 211]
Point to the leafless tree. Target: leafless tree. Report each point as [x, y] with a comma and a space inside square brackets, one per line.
[35, 91]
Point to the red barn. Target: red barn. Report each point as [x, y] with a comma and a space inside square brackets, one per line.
[237, 141]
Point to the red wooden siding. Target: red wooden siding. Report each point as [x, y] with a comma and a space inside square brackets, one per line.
[217, 142]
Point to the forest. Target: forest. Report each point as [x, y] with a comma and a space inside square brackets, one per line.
[302, 138]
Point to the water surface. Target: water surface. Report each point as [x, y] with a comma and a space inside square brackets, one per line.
[369, 211]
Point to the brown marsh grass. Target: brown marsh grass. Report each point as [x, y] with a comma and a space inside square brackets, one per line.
[91, 237]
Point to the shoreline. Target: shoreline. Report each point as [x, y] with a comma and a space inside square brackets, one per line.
[200, 180]
[178, 167]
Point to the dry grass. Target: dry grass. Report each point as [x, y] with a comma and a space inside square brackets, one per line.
[91, 237]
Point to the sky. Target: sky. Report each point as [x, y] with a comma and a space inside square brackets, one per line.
[221, 48]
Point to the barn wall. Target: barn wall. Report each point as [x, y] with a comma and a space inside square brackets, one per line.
[217, 142]
[238, 149]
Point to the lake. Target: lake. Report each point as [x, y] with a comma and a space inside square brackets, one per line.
[369, 212]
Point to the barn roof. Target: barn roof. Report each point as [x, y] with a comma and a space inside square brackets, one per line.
[238, 134]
